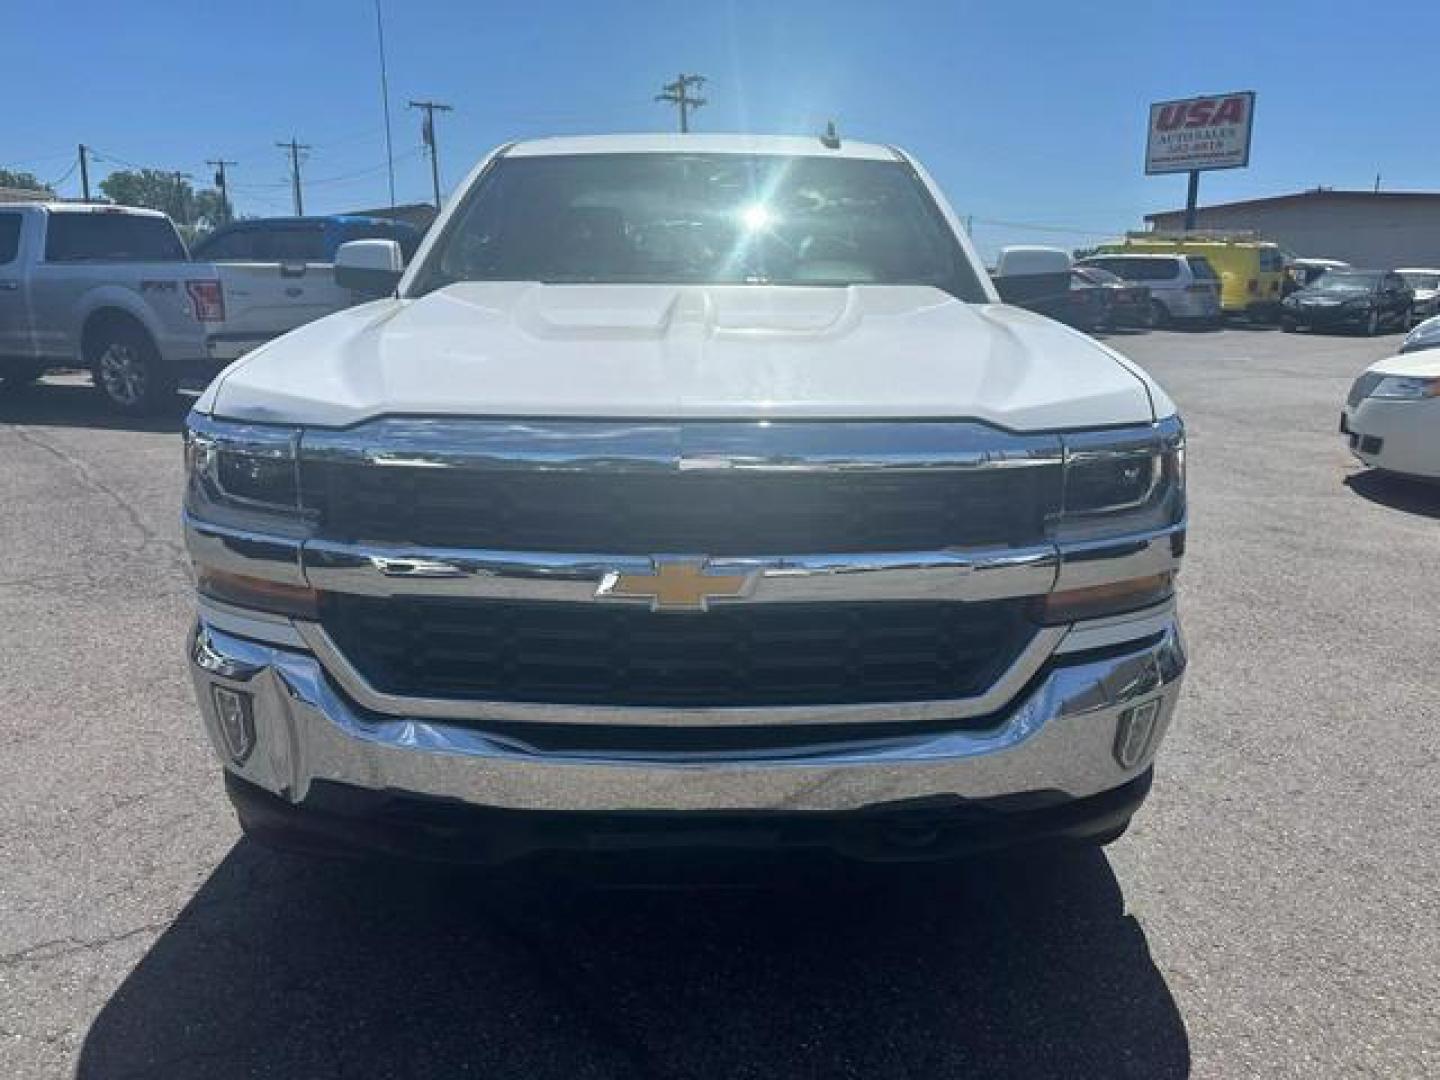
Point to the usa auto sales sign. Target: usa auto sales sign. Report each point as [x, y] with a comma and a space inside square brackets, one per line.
[1200, 133]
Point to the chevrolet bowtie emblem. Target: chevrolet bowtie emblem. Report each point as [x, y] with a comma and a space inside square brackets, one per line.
[675, 585]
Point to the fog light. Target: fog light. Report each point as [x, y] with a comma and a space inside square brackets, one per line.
[237, 722]
[1134, 733]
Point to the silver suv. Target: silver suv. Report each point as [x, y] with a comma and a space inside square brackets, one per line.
[1182, 287]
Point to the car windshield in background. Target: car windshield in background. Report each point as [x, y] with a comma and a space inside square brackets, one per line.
[1345, 281]
[703, 219]
[1201, 268]
[1139, 267]
[1422, 281]
[110, 237]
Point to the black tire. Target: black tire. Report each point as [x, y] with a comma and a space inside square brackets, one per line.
[1109, 836]
[128, 370]
[15, 378]
[1159, 314]
[1288, 325]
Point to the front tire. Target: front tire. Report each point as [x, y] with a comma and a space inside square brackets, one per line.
[1159, 314]
[1288, 325]
[128, 370]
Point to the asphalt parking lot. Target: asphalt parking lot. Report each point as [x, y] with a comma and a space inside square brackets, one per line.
[1272, 913]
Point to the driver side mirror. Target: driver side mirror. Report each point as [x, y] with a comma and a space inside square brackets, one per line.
[373, 267]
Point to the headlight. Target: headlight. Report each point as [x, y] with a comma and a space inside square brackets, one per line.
[1406, 388]
[1106, 482]
[1424, 336]
[1128, 481]
[243, 465]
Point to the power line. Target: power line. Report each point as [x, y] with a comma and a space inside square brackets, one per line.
[34, 160]
[1030, 226]
[54, 185]
[677, 93]
[427, 135]
[295, 147]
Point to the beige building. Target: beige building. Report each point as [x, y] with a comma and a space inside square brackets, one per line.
[1381, 229]
[14, 195]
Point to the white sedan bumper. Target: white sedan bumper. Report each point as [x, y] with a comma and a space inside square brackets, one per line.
[1397, 436]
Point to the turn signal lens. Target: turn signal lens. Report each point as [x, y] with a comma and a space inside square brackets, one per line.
[1095, 601]
[258, 593]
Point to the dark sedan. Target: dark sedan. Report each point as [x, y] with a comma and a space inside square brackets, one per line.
[1365, 300]
[1126, 304]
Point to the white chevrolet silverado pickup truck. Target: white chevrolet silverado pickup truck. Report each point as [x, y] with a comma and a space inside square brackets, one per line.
[685, 490]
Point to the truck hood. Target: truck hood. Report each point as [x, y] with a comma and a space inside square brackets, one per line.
[686, 352]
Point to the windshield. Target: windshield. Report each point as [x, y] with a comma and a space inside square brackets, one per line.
[700, 218]
[1422, 281]
[1346, 281]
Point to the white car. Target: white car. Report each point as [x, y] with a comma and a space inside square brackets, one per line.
[1392, 416]
[1424, 281]
[1424, 336]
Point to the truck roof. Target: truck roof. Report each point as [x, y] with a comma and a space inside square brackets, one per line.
[707, 143]
[83, 208]
[315, 219]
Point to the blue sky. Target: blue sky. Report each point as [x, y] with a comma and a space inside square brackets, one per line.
[1028, 114]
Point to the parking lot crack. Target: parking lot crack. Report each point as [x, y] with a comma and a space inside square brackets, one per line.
[149, 536]
[56, 948]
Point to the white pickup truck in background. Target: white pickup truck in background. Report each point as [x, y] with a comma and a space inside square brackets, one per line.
[108, 288]
[279, 273]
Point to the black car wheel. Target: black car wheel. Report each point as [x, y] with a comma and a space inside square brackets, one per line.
[1159, 315]
[128, 370]
[1288, 324]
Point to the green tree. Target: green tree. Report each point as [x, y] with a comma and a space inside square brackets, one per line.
[24, 181]
[194, 212]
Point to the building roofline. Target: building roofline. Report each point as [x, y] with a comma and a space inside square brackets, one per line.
[1304, 196]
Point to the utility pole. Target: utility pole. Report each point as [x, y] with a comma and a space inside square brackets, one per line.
[177, 197]
[427, 135]
[219, 165]
[295, 148]
[84, 172]
[385, 101]
[678, 93]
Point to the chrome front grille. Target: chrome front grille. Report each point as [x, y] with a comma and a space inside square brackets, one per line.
[737, 656]
[714, 513]
[713, 489]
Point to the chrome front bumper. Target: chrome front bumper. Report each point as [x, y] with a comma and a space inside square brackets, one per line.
[1060, 739]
